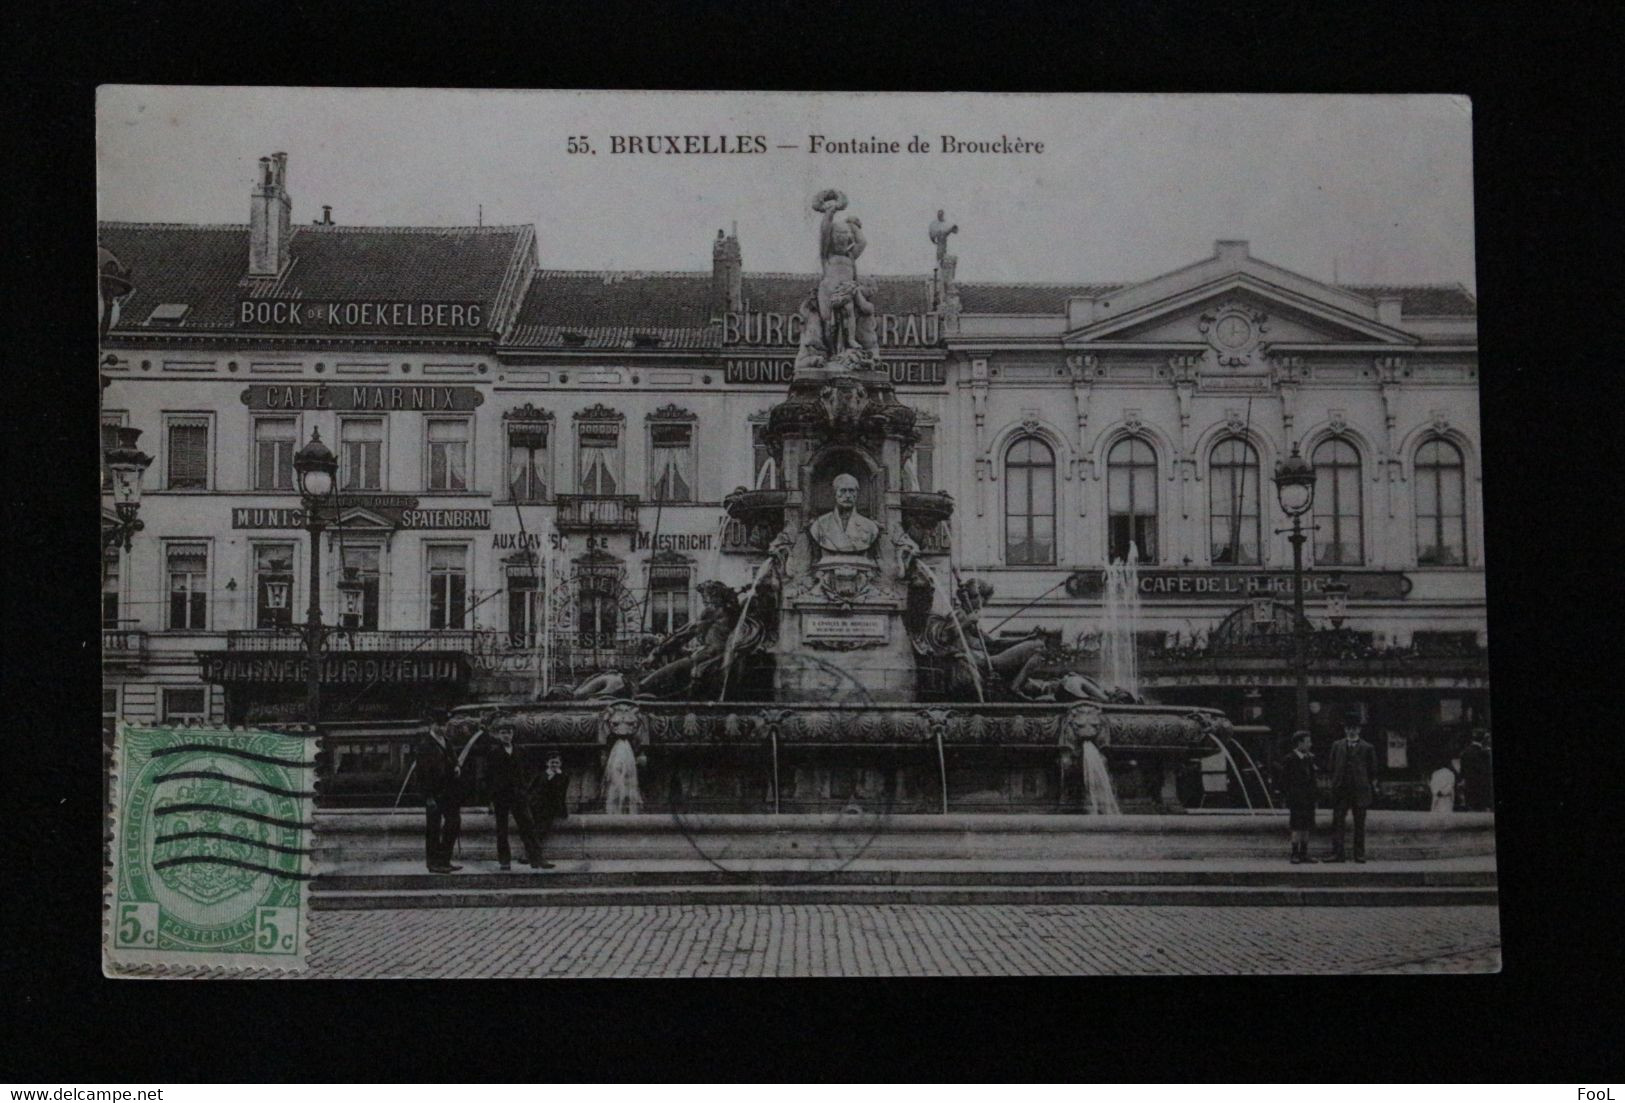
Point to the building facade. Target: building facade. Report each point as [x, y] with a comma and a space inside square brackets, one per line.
[533, 464]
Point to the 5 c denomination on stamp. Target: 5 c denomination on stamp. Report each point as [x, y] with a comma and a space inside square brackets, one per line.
[212, 850]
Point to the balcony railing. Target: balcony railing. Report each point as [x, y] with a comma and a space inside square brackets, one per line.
[124, 646]
[597, 513]
[353, 639]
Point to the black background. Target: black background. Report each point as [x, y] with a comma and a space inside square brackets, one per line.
[1548, 191]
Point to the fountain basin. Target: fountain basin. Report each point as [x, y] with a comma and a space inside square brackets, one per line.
[765, 757]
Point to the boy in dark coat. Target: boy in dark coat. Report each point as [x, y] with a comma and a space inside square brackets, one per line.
[1297, 774]
[510, 788]
[551, 802]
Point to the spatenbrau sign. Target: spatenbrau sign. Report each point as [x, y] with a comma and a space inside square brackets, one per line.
[323, 315]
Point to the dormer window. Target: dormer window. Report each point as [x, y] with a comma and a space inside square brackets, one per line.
[169, 314]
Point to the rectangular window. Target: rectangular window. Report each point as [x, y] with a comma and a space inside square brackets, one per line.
[188, 448]
[109, 710]
[110, 587]
[448, 453]
[188, 568]
[671, 462]
[448, 586]
[527, 461]
[181, 704]
[925, 454]
[361, 453]
[668, 598]
[762, 477]
[273, 585]
[111, 421]
[365, 560]
[275, 439]
[598, 466]
[524, 606]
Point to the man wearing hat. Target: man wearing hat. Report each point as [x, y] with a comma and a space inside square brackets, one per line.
[435, 764]
[1297, 774]
[1475, 773]
[510, 794]
[1354, 785]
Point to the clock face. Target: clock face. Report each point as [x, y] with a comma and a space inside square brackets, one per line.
[1233, 331]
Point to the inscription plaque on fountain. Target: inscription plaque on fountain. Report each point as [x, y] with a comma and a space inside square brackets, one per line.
[843, 626]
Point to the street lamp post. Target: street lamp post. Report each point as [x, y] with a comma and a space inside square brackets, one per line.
[316, 467]
[1295, 488]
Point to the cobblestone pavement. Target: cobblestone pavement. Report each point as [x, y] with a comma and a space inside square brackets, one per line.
[741, 940]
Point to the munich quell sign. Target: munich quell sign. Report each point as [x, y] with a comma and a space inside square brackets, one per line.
[751, 338]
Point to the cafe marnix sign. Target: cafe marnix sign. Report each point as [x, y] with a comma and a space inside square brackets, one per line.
[1239, 586]
[362, 397]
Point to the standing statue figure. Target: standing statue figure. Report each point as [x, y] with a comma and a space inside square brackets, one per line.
[840, 243]
[939, 232]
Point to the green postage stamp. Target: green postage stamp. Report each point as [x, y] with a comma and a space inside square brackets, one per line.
[212, 850]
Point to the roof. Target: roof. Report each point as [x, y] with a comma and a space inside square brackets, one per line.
[206, 267]
[1420, 300]
[601, 310]
[1026, 298]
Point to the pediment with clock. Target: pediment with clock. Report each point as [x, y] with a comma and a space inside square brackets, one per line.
[1231, 310]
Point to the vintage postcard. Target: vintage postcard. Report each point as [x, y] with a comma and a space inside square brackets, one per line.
[917, 534]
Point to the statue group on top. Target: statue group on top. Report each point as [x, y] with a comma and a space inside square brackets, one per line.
[838, 327]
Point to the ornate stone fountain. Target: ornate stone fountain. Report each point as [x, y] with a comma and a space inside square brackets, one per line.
[849, 674]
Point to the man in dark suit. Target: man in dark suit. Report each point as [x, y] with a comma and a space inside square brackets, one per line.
[438, 777]
[1297, 774]
[510, 795]
[1354, 786]
[1475, 773]
[551, 802]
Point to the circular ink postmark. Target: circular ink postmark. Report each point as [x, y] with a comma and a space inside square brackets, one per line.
[827, 807]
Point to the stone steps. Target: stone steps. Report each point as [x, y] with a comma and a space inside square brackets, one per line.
[347, 838]
[471, 896]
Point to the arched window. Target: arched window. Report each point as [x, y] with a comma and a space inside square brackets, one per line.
[1441, 511]
[1131, 500]
[1029, 503]
[1233, 515]
[1338, 539]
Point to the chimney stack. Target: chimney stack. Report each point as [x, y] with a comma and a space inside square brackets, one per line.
[728, 272]
[270, 218]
